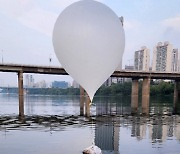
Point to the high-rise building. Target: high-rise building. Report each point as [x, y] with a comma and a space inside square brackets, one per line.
[175, 56]
[59, 84]
[141, 59]
[29, 81]
[179, 63]
[112, 80]
[162, 57]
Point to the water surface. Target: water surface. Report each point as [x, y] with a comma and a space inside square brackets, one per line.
[53, 125]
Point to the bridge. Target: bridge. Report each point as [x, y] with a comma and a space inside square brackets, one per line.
[60, 71]
[135, 75]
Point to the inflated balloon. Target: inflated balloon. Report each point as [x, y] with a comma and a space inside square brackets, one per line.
[88, 40]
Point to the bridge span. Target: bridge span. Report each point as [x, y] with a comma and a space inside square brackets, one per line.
[135, 75]
[60, 71]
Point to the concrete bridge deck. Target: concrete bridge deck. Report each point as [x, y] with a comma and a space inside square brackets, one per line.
[61, 71]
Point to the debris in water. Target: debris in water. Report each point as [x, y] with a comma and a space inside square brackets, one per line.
[92, 150]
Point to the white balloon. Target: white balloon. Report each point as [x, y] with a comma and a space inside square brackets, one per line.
[89, 41]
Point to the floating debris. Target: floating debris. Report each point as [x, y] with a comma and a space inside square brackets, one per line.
[92, 150]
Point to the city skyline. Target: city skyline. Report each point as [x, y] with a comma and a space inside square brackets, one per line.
[165, 58]
[26, 30]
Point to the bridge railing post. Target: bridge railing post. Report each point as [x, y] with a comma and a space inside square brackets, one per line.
[145, 95]
[134, 95]
[21, 93]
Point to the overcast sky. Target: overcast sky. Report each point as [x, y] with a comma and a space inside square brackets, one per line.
[26, 30]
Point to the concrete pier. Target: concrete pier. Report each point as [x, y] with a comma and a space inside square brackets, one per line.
[82, 99]
[87, 106]
[145, 95]
[21, 93]
[134, 95]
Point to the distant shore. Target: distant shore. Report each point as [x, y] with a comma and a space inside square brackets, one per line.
[162, 88]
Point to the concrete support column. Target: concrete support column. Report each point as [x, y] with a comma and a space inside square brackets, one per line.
[82, 99]
[21, 93]
[145, 95]
[134, 95]
[176, 94]
[87, 106]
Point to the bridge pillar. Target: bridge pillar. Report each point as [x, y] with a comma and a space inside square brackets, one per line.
[88, 105]
[145, 95]
[134, 95]
[82, 99]
[176, 94]
[21, 93]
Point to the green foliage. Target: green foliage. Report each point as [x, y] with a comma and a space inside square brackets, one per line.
[53, 91]
[115, 89]
[162, 88]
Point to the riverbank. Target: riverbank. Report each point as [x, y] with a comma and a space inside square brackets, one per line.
[162, 88]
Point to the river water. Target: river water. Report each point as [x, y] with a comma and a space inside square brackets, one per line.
[53, 125]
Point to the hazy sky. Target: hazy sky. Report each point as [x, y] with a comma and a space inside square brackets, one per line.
[26, 29]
